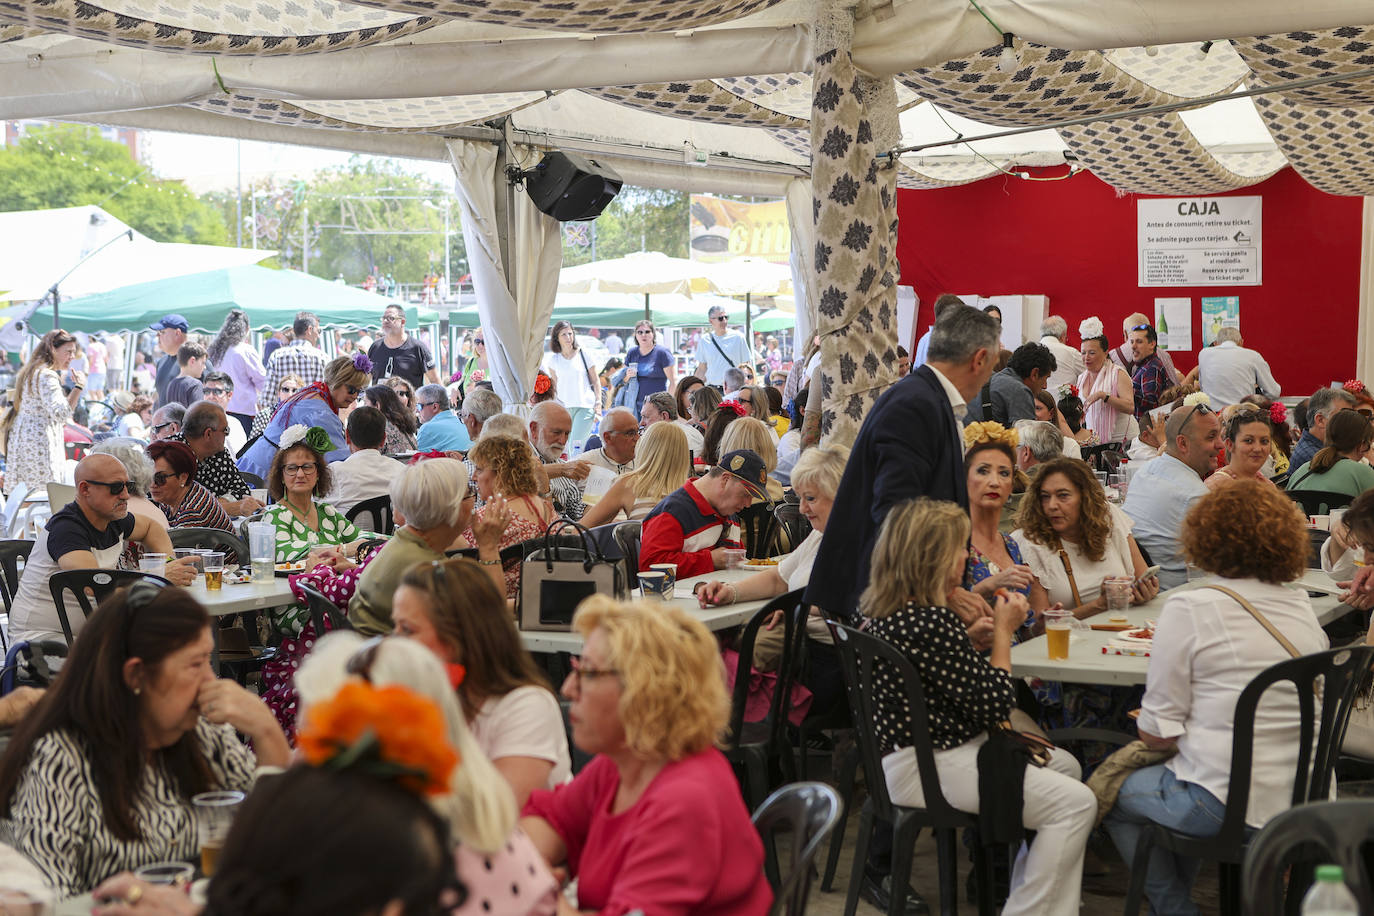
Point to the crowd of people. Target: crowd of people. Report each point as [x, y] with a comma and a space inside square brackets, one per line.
[966, 511]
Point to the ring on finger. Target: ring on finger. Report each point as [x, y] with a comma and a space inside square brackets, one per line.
[134, 894]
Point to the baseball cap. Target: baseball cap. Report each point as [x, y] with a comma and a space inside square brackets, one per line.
[170, 321]
[748, 467]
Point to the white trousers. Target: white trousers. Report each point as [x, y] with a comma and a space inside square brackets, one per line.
[1047, 877]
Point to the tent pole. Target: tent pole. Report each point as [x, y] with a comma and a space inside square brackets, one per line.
[648, 316]
[748, 328]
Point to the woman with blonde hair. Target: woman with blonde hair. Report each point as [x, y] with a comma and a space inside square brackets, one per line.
[318, 404]
[918, 562]
[33, 428]
[663, 462]
[493, 858]
[649, 700]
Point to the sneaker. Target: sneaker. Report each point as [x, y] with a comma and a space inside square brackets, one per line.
[879, 893]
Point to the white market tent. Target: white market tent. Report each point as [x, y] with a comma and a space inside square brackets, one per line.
[647, 86]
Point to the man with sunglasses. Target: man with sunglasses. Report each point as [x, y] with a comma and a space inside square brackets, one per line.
[1124, 358]
[219, 389]
[721, 349]
[166, 421]
[1164, 489]
[88, 533]
[397, 353]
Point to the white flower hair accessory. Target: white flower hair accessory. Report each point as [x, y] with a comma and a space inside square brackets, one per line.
[293, 434]
[1197, 397]
[1089, 328]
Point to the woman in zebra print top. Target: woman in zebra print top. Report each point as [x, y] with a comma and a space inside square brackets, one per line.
[99, 776]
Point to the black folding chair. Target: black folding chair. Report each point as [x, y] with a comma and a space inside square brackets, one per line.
[1320, 736]
[808, 813]
[253, 480]
[758, 529]
[1338, 832]
[1319, 502]
[378, 510]
[859, 654]
[234, 547]
[90, 587]
[322, 609]
[11, 552]
[791, 521]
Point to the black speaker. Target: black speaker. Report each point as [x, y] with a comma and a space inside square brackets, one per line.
[568, 187]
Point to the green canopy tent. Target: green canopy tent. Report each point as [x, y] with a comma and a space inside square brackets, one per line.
[622, 310]
[270, 297]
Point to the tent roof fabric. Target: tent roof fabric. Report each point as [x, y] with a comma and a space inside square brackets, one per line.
[728, 77]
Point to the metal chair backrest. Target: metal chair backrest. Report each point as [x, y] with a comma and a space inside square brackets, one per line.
[101, 583]
[808, 812]
[378, 509]
[235, 548]
[1319, 502]
[860, 654]
[1342, 830]
[627, 535]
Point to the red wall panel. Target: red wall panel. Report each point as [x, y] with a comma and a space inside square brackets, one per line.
[1075, 241]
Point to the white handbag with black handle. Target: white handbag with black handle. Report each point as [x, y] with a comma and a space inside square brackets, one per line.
[556, 578]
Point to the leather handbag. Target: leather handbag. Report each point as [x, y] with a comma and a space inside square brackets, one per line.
[555, 579]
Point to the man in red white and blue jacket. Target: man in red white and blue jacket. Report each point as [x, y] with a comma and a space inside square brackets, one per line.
[693, 526]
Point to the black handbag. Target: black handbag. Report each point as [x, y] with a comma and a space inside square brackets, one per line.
[555, 579]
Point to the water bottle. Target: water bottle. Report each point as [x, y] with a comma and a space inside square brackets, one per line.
[1329, 896]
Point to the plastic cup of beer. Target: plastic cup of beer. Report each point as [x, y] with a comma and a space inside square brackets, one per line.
[1058, 627]
[155, 563]
[214, 814]
[214, 570]
[167, 874]
[1117, 590]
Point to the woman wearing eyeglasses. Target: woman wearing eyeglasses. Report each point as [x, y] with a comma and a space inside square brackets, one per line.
[655, 821]
[32, 430]
[314, 405]
[649, 368]
[186, 503]
[289, 386]
[99, 776]
[1108, 398]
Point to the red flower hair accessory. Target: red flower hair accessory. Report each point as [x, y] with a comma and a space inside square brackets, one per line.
[1354, 385]
[1278, 414]
[423, 456]
[388, 732]
[542, 383]
[739, 409]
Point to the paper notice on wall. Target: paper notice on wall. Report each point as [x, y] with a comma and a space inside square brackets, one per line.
[1174, 322]
[1199, 241]
[1219, 312]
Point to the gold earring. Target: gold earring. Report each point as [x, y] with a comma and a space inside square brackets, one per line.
[138, 690]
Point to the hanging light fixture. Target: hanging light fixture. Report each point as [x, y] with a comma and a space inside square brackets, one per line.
[1203, 50]
[1007, 61]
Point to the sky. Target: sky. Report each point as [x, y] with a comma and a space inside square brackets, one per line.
[213, 163]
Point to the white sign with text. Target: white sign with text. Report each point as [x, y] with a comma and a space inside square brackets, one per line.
[1199, 241]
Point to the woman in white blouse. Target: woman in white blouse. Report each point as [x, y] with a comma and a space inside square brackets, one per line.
[575, 378]
[1073, 539]
[1207, 648]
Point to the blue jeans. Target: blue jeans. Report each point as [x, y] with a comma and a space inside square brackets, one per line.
[1154, 795]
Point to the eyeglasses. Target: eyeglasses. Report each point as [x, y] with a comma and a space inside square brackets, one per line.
[424, 404]
[720, 317]
[1197, 408]
[479, 340]
[162, 477]
[626, 433]
[161, 426]
[1141, 327]
[139, 596]
[352, 390]
[392, 318]
[360, 662]
[299, 469]
[215, 392]
[582, 672]
[116, 486]
[284, 390]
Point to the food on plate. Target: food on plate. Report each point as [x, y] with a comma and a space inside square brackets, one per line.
[291, 567]
[1143, 633]
[766, 561]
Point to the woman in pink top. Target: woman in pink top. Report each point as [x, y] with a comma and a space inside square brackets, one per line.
[1249, 436]
[1108, 399]
[655, 822]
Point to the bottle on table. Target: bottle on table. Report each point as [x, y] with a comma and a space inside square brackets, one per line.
[1329, 896]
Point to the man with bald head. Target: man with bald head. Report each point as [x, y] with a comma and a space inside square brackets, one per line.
[205, 429]
[550, 426]
[619, 437]
[1164, 489]
[88, 533]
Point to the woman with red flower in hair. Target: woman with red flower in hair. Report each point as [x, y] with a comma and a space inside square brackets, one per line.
[544, 388]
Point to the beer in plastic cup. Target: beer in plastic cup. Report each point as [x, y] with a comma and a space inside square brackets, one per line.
[214, 570]
[214, 813]
[1058, 626]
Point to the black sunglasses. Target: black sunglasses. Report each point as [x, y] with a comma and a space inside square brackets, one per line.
[1197, 408]
[479, 340]
[162, 477]
[116, 486]
[164, 425]
[1141, 327]
[139, 596]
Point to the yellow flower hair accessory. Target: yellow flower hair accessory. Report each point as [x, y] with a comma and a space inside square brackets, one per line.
[988, 431]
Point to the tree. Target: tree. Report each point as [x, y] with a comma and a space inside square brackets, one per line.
[71, 166]
[638, 219]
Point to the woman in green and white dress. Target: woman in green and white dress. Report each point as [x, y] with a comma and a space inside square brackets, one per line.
[299, 475]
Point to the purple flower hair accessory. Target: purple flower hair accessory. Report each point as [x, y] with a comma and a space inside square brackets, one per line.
[361, 362]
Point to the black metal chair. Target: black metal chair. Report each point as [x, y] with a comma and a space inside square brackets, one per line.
[234, 547]
[808, 812]
[11, 552]
[859, 654]
[378, 510]
[604, 538]
[1104, 457]
[1341, 830]
[322, 609]
[790, 520]
[627, 536]
[99, 583]
[758, 530]
[1319, 745]
[761, 751]
[253, 480]
[1319, 502]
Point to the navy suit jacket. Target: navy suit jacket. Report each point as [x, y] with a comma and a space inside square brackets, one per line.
[908, 447]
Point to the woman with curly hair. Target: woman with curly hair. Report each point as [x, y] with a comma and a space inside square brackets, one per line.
[507, 479]
[1108, 398]
[401, 424]
[233, 354]
[1207, 647]
[1073, 539]
[1249, 436]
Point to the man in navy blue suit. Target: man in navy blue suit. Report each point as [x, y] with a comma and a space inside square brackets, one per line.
[911, 445]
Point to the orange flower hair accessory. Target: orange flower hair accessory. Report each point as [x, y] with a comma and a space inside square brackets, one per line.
[388, 732]
[542, 383]
[988, 431]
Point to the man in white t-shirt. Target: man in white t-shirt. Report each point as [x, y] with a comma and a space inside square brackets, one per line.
[721, 349]
[1229, 372]
[620, 435]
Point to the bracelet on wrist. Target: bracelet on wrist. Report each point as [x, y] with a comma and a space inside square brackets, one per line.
[487, 562]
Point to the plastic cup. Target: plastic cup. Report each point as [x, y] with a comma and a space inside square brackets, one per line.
[155, 563]
[734, 557]
[654, 584]
[262, 548]
[669, 570]
[167, 874]
[214, 814]
[214, 570]
[194, 554]
[1117, 590]
[1058, 627]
